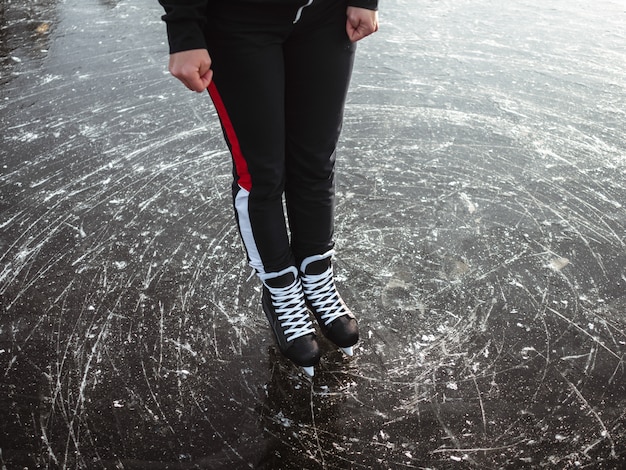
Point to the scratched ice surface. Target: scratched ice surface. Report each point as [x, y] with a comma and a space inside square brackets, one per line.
[480, 231]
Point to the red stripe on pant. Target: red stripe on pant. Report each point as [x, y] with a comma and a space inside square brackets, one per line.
[244, 180]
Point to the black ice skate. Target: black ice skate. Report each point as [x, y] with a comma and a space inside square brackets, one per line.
[285, 308]
[335, 319]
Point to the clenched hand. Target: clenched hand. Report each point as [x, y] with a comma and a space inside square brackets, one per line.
[193, 68]
[361, 23]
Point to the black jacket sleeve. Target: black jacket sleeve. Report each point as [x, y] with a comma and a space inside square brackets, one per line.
[185, 20]
[369, 4]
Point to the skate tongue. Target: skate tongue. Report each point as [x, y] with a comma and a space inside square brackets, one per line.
[283, 280]
[317, 267]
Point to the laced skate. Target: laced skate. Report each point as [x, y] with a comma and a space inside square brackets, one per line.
[285, 308]
[335, 319]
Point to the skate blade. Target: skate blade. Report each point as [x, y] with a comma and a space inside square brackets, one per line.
[310, 371]
[349, 351]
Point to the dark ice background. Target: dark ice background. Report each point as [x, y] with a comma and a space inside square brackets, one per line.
[481, 236]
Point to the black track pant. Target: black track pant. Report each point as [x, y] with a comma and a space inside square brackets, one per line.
[279, 88]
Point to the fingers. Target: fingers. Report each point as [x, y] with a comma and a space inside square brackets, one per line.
[361, 23]
[358, 29]
[192, 68]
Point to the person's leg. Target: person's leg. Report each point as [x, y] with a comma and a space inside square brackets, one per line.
[248, 93]
[318, 65]
[245, 44]
[318, 61]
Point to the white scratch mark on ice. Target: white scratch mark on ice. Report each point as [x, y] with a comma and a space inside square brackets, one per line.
[471, 207]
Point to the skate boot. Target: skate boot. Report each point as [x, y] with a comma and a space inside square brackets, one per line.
[335, 319]
[285, 309]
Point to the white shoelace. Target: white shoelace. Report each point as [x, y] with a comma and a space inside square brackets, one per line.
[320, 290]
[291, 310]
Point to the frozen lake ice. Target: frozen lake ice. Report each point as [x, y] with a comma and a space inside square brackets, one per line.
[481, 238]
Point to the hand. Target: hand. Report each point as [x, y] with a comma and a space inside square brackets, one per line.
[193, 68]
[361, 23]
